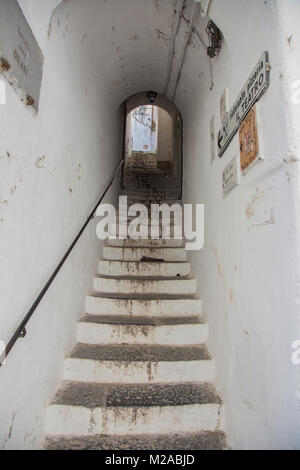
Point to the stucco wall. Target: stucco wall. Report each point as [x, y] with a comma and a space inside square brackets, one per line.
[97, 54]
[164, 137]
[53, 168]
[248, 268]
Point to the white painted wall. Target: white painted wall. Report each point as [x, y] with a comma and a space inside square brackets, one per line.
[249, 268]
[53, 167]
[98, 54]
[164, 137]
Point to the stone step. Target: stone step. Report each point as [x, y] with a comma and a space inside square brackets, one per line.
[91, 395]
[123, 210]
[175, 232]
[153, 197]
[99, 332]
[145, 286]
[136, 254]
[205, 440]
[139, 364]
[143, 269]
[148, 202]
[143, 306]
[146, 243]
[64, 420]
[149, 321]
[148, 221]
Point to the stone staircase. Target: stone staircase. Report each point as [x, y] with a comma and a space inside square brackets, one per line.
[140, 376]
[147, 182]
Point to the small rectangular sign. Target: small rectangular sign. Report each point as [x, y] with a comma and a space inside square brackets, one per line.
[248, 135]
[21, 57]
[255, 87]
[230, 176]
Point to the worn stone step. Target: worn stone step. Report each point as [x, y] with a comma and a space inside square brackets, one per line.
[206, 440]
[157, 196]
[146, 243]
[123, 209]
[100, 305]
[145, 286]
[172, 219]
[105, 333]
[141, 233]
[149, 200]
[143, 269]
[146, 321]
[91, 395]
[139, 364]
[140, 353]
[136, 254]
[76, 420]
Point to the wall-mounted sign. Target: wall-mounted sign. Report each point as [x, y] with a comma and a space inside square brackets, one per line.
[230, 176]
[249, 145]
[255, 87]
[21, 59]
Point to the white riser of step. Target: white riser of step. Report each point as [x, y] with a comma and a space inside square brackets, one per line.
[179, 335]
[143, 286]
[92, 371]
[141, 307]
[136, 254]
[127, 268]
[76, 420]
[147, 243]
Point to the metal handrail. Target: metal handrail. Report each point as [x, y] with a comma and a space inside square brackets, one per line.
[21, 330]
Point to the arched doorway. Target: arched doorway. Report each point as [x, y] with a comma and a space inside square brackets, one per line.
[152, 144]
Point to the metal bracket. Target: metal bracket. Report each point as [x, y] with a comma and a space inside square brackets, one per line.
[29, 101]
[215, 39]
[23, 333]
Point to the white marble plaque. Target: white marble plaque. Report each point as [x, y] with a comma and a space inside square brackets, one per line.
[21, 57]
[230, 176]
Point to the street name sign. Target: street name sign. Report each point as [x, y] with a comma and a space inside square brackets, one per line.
[255, 87]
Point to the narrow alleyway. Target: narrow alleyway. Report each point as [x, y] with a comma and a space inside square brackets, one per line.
[146, 343]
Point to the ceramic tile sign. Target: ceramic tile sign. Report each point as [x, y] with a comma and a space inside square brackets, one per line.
[21, 59]
[230, 176]
[249, 144]
[255, 87]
